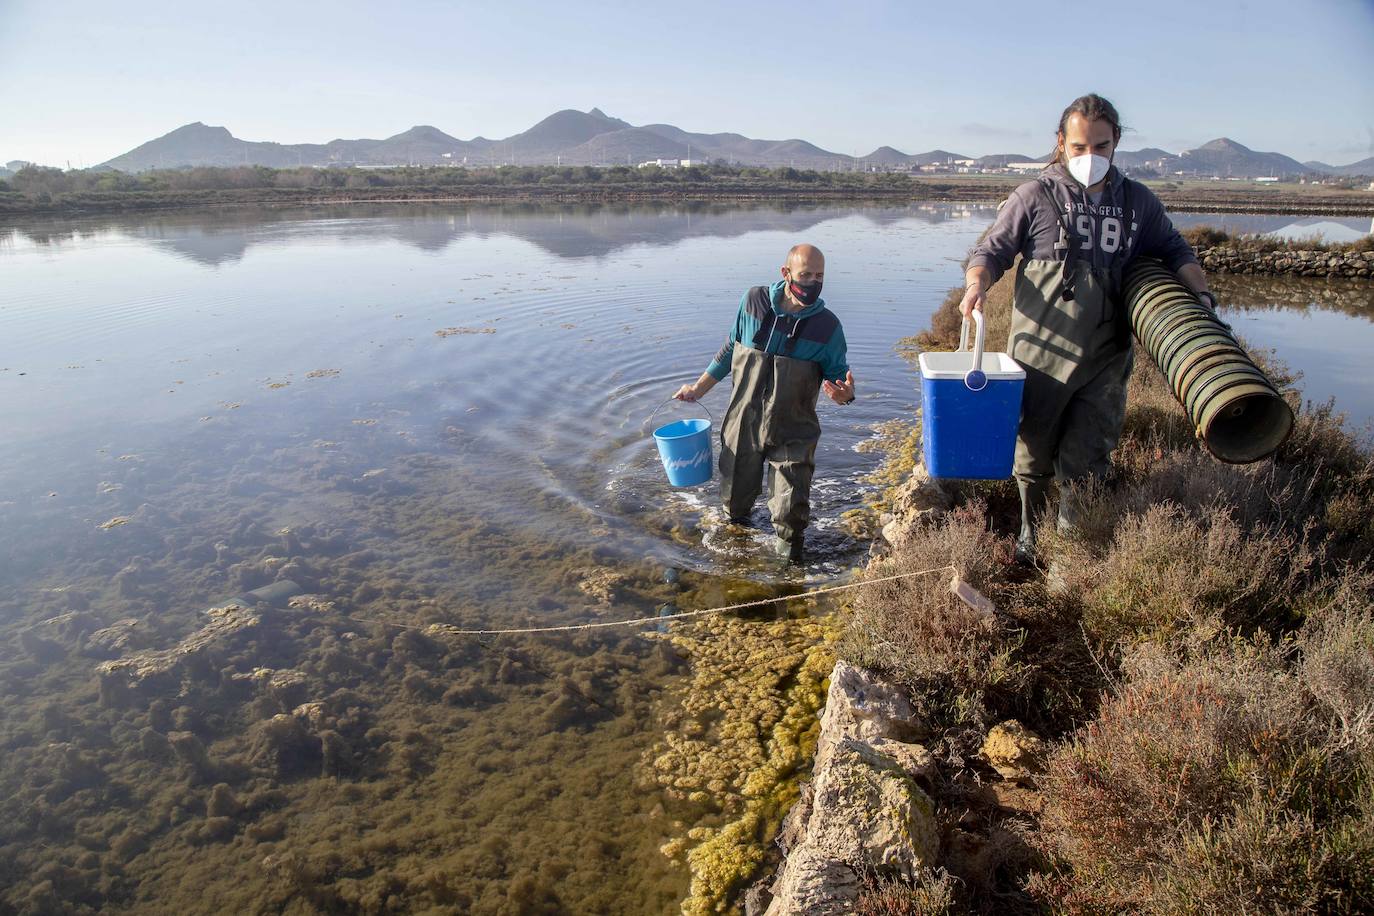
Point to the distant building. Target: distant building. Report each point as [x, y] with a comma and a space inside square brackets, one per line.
[1267, 179]
[673, 163]
[1026, 166]
[15, 165]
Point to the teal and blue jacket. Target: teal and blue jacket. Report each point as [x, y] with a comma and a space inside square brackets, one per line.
[814, 333]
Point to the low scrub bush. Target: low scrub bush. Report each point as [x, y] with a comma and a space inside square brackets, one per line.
[1212, 237]
[929, 895]
[1168, 571]
[953, 660]
[1217, 784]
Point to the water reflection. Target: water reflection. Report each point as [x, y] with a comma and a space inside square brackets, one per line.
[566, 231]
[1326, 228]
[1319, 329]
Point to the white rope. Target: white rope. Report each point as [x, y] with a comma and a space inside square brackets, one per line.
[568, 628]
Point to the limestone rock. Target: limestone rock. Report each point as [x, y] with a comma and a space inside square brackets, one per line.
[813, 885]
[860, 705]
[866, 815]
[1014, 751]
[915, 760]
[793, 828]
[922, 496]
[866, 811]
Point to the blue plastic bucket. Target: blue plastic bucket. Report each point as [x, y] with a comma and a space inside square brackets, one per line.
[684, 447]
[970, 411]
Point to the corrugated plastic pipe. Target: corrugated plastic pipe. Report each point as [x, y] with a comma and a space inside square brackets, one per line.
[1237, 412]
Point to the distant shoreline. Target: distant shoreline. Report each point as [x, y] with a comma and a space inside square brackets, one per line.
[1203, 199]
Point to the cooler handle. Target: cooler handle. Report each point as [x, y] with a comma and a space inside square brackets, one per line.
[974, 379]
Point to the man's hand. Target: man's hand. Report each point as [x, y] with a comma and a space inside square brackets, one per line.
[696, 391]
[974, 297]
[841, 392]
[976, 283]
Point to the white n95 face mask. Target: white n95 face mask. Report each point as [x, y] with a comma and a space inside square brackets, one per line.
[1089, 169]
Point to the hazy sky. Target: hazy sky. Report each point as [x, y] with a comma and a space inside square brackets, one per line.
[85, 81]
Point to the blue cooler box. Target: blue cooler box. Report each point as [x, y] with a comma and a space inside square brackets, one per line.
[971, 408]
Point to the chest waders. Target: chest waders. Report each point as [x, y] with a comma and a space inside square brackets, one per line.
[1077, 355]
[771, 420]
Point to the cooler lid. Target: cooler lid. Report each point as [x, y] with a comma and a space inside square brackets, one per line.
[996, 366]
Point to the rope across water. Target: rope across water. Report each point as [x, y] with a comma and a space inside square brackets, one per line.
[572, 627]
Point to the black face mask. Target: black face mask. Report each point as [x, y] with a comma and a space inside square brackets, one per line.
[805, 293]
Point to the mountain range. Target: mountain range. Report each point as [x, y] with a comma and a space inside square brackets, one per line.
[592, 137]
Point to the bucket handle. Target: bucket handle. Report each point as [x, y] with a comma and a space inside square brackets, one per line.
[974, 379]
[651, 416]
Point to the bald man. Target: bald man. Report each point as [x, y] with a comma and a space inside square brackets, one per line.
[784, 349]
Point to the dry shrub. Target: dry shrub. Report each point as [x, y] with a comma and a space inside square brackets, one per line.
[1216, 784]
[1337, 667]
[1341, 469]
[1154, 413]
[1211, 237]
[1168, 570]
[932, 894]
[1255, 495]
[951, 658]
[1205, 236]
[1270, 857]
[943, 333]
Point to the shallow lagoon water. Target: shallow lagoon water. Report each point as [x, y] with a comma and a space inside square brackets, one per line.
[420, 415]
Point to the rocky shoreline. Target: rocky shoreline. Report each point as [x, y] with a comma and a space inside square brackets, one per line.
[869, 810]
[1227, 259]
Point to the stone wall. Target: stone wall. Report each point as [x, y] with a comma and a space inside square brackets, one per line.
[1290, 262]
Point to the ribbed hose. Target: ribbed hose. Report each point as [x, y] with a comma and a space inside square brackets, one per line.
[1237, 412]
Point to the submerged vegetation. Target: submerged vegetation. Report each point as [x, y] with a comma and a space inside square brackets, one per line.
[1200, 656]
[311, 756]
[734, 747]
